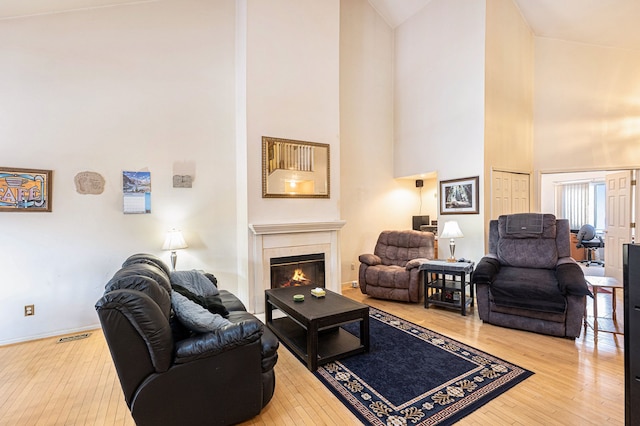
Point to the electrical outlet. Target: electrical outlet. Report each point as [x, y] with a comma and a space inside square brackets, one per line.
[353, 266]
[29, 310]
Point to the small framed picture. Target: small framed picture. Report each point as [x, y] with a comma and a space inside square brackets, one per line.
[25, 190]
[459, 196]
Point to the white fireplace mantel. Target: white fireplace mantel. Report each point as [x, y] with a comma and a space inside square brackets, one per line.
[291, 228]
[291, 239]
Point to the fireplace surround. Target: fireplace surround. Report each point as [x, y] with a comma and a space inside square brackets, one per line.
[269, 241]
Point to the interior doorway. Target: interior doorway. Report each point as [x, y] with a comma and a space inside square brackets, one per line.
[608, 206]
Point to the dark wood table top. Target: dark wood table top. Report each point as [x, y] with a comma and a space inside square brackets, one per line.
[314, 307]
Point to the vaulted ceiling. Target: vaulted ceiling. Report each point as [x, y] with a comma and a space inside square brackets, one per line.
[611, 23]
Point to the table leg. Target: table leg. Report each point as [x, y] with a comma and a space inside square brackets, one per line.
[463, 293]
[268, 311]
[595, 313]
[585, 321]
[425, 279]
[364, 332]
[613, 302]
[312, 346]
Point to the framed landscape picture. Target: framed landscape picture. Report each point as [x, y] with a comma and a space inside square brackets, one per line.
[25, 190]
[459, 196]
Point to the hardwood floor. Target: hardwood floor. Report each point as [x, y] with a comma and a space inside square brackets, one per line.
[575, 382]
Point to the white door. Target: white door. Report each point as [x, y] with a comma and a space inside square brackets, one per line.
[520, 193]
[509, 193]
[500, 194]
[618, 221]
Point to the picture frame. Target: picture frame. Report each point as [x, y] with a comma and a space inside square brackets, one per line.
[295, 169]
[460, 196]
[25, 190]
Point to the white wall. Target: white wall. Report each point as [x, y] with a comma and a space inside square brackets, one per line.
[371, 200]
[509, 93]
[439, 102]
[586, 107]
[137, 87]
[292, 93]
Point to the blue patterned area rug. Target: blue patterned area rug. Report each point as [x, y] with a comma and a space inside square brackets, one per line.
[414, 376]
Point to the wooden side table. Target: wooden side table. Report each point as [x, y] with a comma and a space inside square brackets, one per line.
[439, 290]
[597, 283]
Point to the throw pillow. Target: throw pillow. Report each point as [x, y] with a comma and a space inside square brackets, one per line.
[211, 303]
[194, 316]
[194, 281]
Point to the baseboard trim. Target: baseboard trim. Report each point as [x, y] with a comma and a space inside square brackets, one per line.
[48, 335]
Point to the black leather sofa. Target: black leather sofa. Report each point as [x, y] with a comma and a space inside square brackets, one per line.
[171, 376]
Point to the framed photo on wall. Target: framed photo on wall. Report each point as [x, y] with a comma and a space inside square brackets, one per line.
[25, 190]
[459, 196]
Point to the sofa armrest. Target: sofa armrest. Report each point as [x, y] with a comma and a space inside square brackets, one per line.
[223, 339]
[486, 271]
[370, 259]
[415, 263]
[571, 278]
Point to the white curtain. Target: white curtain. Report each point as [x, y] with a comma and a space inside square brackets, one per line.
[575, 204]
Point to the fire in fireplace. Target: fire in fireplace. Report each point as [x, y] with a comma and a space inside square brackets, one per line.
[307, 269]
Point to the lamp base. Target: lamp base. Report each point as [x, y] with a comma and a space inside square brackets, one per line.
[452, 250]
[174, 258]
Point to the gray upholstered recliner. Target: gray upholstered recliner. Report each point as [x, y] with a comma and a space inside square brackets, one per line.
[528, 280]
[391, 272]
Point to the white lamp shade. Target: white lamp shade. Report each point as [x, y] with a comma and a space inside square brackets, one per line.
[451, 230]
[174, 241]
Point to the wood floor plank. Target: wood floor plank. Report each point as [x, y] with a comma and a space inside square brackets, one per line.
[576, 382]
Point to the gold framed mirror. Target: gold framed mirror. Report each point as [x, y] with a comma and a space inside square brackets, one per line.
[295, 169]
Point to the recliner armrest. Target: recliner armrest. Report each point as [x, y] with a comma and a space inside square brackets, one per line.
[570, 278]
[215, 342]
[414, 263]
[370, 259]
[486, 271]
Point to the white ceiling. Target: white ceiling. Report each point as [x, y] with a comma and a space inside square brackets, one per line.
[612, 23]
[17, 8]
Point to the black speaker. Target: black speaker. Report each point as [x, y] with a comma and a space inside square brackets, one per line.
[631, 276]
[419, 183]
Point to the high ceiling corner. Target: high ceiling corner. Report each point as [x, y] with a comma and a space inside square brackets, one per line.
[611, 23]
[395, 12]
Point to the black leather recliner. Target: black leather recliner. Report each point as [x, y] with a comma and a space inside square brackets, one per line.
[172, 377]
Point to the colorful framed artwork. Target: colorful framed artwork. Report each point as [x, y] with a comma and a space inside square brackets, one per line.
[25, 190]
[459, 196]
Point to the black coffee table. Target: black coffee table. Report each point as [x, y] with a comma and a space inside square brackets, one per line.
[311, 329]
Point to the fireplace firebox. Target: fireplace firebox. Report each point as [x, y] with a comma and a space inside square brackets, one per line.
[289, 271]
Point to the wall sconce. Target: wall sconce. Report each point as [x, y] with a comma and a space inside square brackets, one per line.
[451, 230]
[174, 241]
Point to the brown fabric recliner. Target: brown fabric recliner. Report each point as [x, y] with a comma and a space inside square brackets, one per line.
[391, 272]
